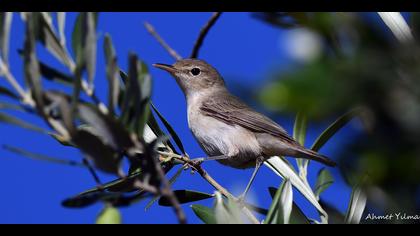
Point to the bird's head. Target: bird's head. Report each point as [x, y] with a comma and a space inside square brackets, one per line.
[194, 75]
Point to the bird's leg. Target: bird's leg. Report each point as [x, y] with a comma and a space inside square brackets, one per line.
[258, 163]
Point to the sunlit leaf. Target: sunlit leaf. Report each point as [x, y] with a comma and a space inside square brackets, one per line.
[204, 213]
[226, 213]
[49, 39]
[5, 24]
[297, 216]
[32, 70]
[109, 215]
[324, 180]
[281, 206]
[285, 171]
[90, 47]
[61, 19]
[357, 204]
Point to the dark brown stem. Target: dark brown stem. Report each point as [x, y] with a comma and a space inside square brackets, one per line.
[203, 34]
[169, 194]
[162, 42]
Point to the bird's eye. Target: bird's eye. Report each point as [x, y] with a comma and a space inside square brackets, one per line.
[195, 71]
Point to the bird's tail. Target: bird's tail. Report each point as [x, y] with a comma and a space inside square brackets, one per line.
[312, 155]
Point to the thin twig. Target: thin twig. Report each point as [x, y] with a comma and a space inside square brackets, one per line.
[169, 194]
[203, 173]
[93, 173]
[162, 42]
[203, 34]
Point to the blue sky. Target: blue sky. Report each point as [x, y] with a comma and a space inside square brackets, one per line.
[243, 49]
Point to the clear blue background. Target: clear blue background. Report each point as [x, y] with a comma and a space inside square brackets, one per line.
[244, 50]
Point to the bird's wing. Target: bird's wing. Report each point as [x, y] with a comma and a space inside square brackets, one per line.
[235, 112]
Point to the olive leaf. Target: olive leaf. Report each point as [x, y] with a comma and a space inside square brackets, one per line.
[281, 206]
[18, 122]
[171, 181]
[185, 196]
[42, 157]
[206, 214]
[299, 134]
[109, 215]
[5, 24]
[112, 72]
[324, 180]
[46, 35]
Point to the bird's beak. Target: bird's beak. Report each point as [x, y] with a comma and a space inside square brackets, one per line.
[169, 68]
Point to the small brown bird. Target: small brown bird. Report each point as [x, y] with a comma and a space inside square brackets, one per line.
[226, 128]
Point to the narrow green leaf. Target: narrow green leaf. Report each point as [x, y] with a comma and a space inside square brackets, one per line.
[281, 168]
[32, 70]
[46, 35]
[285, 205]
[61, 20]
[55, 75]
[42, 157]
[333, 129]
[334, 215]
[106, 127]
[112, 71]
[62, 140]
[185, 196]
[77, 38]
[103, 156]
[117, 185]
[204, 213]
[109, 215]
[6, 92]
[90, 47]
[299, 134]
[171, 181]
[297, 216]
[5, 24]
[226, 213]
[299, 129]
[170, 129]
[281, 206]
[357, 204]
[324, 180]
[8, 106]
[23, 124]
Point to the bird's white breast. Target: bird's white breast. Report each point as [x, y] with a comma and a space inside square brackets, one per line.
[218, 138]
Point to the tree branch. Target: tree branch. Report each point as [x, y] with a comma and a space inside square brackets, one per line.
[162, 42]
[203, 34]
[203, 173]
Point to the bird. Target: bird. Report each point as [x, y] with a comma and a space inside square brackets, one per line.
[226, 128]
